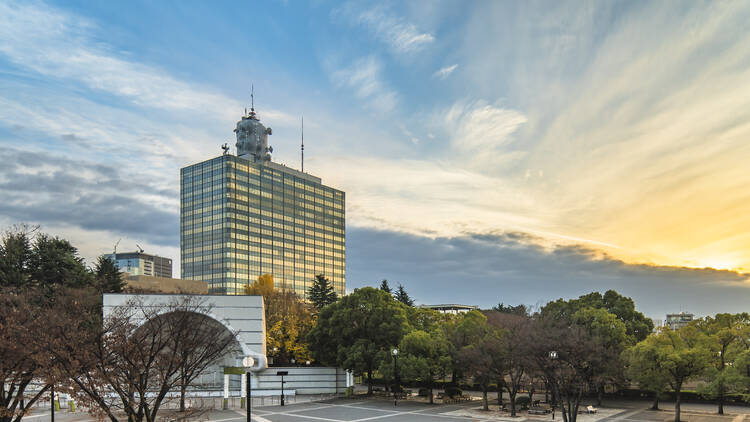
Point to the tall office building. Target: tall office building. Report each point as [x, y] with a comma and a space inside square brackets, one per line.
[243, 216]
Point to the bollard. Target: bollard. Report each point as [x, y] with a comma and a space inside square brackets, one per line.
[225, 405]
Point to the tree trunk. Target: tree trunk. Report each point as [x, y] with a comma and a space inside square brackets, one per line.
[512, 395]
[655, 405]
[500, 386]
[599, 392]
[369, 382]
[182, 394]
[677, 403]
[721, 398]
[431, 400]
[531, 394]
[485, 402]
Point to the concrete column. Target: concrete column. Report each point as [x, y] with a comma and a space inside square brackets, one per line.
[226, 386]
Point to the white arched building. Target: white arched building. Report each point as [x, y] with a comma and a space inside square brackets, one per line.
[244, 316]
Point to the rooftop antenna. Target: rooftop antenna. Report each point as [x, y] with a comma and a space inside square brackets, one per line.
[303, 144]
[225, 148]
[252, 101]
[114, 252]
[140, 249]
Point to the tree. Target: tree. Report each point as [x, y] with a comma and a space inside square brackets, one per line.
[681, 355]
[139, 354]
[21, 361]
[567, 355]
[354, 331]
[30, 259]
[636, 324]
[521, 310]
[723, 332]
[515, 352]
[403, 297]
[425, 357]
[461, 331]
[642, 366]
[385, 287]
[108, 277]
[288, 321]
[321, 292]
[483, 357]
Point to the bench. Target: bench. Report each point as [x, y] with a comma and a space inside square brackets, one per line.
[538, 410]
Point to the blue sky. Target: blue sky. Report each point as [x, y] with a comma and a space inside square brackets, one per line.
[572, 146]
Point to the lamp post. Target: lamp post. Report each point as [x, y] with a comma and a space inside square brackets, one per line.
[281, 374]
[397, 384]
[553, 356]
[247, 362]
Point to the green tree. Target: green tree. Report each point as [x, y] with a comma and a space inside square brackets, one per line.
[636, 324]
[55, 262]
[321, 292]
[724, 333]
[642, 366]
[354, 331]
[15, 257]
[483, 357]
[424, 357]
[403, 297]
[107, 276]
[682, 355]
[521, 310]
[385, 287]
[461, 331]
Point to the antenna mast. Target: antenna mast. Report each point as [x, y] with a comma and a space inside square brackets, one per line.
[303, 144]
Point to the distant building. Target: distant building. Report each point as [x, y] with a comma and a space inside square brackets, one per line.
[450, 308]
[139, 263]
[242, 216]
[677, 321]
[150, 284]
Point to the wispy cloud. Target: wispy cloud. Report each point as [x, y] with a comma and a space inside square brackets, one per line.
[56, 44]
[401, 36]
[364, 77]
[446, 71]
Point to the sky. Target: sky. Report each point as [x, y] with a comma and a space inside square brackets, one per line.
[513, 152]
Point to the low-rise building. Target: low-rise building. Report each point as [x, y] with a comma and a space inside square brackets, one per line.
[450, 308]
[139, 263]
[677, 321]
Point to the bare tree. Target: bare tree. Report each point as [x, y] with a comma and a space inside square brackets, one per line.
[141, 353]
[515, 351]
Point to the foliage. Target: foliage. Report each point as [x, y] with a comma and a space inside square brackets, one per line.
[515, 351]
[403, 297]
[482, 356]
[288, 321]
[424, 319]
[682, 355]
[354, 331]
[321, 292]
[108, 278]
[385, 287]
[31, 259]
[453, 391]
[520, 310]
[424, 357]
[636, 324]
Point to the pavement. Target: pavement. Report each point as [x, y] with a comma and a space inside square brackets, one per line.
[374, 409]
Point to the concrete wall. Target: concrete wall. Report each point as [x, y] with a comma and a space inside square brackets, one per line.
[303, 380]
[149, 284]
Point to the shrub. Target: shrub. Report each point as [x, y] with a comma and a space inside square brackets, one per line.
[424, 392]
[453, 391]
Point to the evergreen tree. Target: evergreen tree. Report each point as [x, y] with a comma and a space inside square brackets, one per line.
[385, 287]
[403, 297]
[108, 276]
[321, 292]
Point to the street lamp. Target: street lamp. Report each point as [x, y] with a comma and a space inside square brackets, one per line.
[282, 374]
[553, 356]
[394, 352]
[247, 362]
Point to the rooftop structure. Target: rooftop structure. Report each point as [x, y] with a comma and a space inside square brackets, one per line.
[450, 308]
[677, 321]
[139, 263]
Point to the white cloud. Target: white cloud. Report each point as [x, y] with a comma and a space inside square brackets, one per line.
[58, 45]
[364, 77]
[444, 72]
[401, 36]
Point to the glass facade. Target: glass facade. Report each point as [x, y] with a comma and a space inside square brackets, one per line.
[239, 220]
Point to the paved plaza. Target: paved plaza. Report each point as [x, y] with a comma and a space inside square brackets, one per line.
[360, 410]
